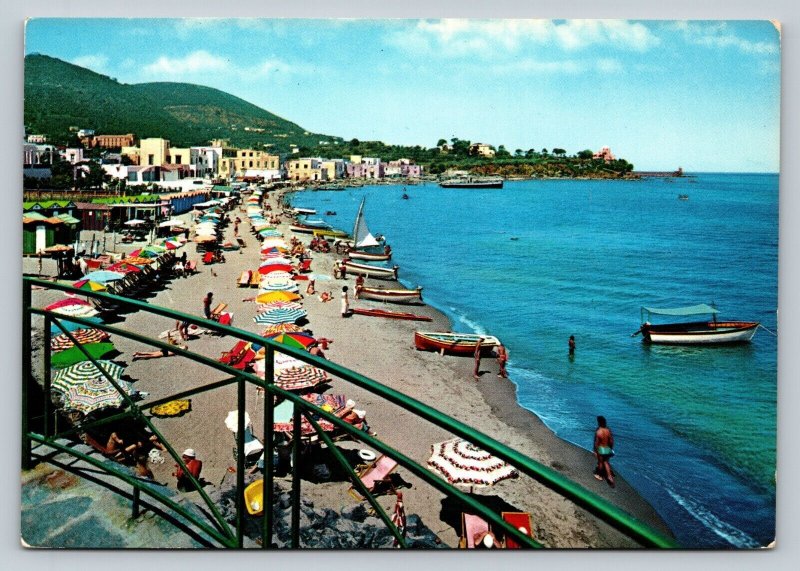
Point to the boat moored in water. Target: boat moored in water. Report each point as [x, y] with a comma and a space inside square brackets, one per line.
[459, 343]
[707, 332]
[472, 182]
[398, 295]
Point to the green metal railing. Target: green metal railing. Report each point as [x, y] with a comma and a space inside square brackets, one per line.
[217, 528]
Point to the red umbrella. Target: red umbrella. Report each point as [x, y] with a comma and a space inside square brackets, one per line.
[123, 267]
[66, 302]
[264, 270]
[299, 340]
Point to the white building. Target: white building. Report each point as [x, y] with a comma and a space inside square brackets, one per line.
[204, 161]
[73, 155]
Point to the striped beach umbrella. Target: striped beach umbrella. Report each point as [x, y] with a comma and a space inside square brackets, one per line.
[71, 325]
[275, 260]
[83, 336]
[264, 270]
[89, 285]
[300, 378]
[273, 251]
[282, 421]
[297, 340]
[280, 328]
[73, 307]
[124, 267]
[280, 316]
[278, 284]
[83, 387]
[273, 296]
[273, 243]
[139, 261]
[269, 233]
[273, 305]
[461, 462]
[73, 355]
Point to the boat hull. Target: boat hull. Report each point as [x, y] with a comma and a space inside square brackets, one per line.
[700, 333]
[390, 295]
[475, 184]
[374, 257]
[301, 229]
[457, 343]
[390, 314]
[371, 271]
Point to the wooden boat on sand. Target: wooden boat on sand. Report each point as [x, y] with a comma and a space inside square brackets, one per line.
[458, 343]
[370, 271]
[369, 256]
[398, 295]
[708, 332]
[390, 314]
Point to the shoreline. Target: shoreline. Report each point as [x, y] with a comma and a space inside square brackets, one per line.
[383, 350]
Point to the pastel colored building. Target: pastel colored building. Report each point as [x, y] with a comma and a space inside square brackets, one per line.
[179, 156]
[334, 168]
[249, 163]
[153, 152]
[73, 155]
[305, 169]
[205, 160]
[109, 141]
[481, 150]
[605, 154]
[38, 139]
[370, 168]
[403, 168]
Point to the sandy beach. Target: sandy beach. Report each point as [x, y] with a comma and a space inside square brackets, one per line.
[381, 349]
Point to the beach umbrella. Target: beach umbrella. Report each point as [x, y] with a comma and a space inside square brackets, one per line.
[73, 355]
[78, 308]
[461, 462]
[273, 296]
[282, 421]
[104, 276]
[232, 420]
[300, 378]
[273, 250]
[273, 305]
[173, 244]
[124, 267]
[270, 234]
[66, 302]
[278, 284]
[138, 261]
[297, 340]
[275, 260]
[89, 285]
[202, 239]
[280, 328]
[264, 270]
[83, 387]
[320, 277]
[134, 222]
[171, 223]
[72, 326]
[83, 336]
[280, 316]
[155, 248]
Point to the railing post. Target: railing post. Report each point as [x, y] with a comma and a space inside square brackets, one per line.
[26, 373]
[296, 478]
[269, 449]
[48, 402]
[136, 500]
[240, 428]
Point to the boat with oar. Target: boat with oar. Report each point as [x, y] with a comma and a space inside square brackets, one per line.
[390, 314]
[448, 342]
[369, 271]
[397, 295]
[706, 332]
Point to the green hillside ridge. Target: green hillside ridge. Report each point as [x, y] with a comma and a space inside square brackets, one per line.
[60, 95]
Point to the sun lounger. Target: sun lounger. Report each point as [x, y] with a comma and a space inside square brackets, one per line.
[305, 266]
[376, 477]
[255, 279]
[217, 311]
[471, 526]
[225, 318]
[235, 354]
[244, 279]
[89, 440]
[190, 267]
[523, 522]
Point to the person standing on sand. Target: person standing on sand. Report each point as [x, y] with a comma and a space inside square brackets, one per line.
[345, 303]
[478, 349]
[571, 344]
[502, 359]
[604, 450]
[207, 300]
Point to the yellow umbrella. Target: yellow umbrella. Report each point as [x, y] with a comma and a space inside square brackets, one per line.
[277, 296]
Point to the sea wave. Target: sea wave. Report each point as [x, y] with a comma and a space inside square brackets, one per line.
[736, 537]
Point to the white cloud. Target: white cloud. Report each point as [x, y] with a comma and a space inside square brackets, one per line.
[719, 35]
[199, 65]
[95, 62]
[454, 38]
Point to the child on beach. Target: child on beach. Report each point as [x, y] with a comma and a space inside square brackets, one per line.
[345, 303]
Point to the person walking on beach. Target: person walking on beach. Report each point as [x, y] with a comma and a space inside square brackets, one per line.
[345, 303]
[604, 450]
[502, 359]
[571, 344]
[478, 349]
[207, 300]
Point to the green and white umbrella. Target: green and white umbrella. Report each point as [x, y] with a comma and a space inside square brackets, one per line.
[83, 387]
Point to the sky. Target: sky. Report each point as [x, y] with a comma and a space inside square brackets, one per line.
[701, 95]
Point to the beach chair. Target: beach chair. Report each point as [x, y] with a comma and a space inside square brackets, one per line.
[255, 279]
[225, 318]
[217, 311]
[208, 258]
[244, 361]
[471, 525]
[190, 267]
[523, 522]
[235, 354]
[305, 266]
[376, 477]
[244, 279]
[89, 440]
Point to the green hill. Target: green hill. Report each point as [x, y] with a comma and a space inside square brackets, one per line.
[59, 95]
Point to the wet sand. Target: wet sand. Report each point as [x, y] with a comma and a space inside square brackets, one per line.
[381, 349]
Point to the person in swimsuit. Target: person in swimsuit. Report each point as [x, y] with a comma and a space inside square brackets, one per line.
[604, 450]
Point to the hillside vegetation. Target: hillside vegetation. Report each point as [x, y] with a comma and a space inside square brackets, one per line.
[60, 96]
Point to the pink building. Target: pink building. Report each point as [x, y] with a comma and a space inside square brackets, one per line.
[373, 170]
[605, 154]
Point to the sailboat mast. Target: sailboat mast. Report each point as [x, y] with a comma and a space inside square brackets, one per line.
[358, 221]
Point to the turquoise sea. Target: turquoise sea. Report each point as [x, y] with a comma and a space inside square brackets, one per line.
[539, 261]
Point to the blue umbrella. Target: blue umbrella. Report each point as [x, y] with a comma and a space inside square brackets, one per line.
[280, 315]
[72, 326]
[103, 276]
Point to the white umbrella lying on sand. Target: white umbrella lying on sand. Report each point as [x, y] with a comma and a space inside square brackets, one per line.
[461, 462]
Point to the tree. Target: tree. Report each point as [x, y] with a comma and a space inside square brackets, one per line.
[441, 142]
[585, 154]
[559, 152]
[518, 153]
[355, 142]
[502, 151]
[530, 153]
[544, 151]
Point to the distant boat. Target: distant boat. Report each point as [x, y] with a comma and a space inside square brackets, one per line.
[390, 314]
[304, 211]
[472, 182]
[459, 343]
[397, 295]
[683, 197]
[709, 332]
